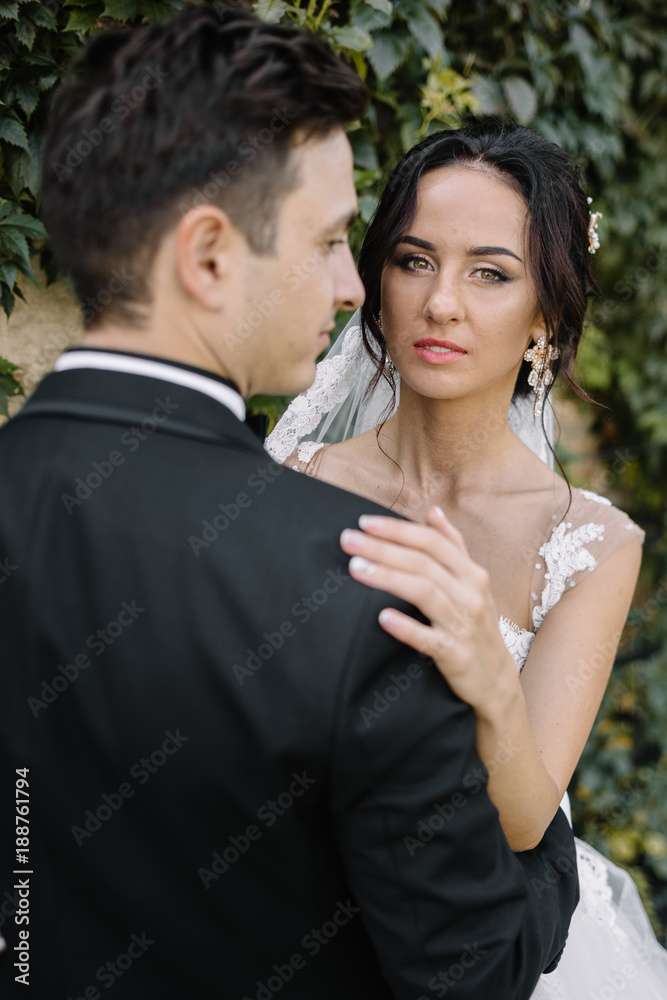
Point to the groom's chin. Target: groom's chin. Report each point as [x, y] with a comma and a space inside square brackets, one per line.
[293, 382]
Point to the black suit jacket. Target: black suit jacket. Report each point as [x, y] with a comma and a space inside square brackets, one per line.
[239, 784]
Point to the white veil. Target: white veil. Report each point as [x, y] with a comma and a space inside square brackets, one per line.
[336, 406]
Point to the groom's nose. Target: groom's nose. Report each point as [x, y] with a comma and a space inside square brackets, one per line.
[349, 292]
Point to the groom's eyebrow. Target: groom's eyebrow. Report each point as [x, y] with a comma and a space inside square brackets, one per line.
[344, 222]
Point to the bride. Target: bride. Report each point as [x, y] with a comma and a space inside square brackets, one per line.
[477, 269]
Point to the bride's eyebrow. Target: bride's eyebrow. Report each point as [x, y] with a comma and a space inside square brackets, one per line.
[491, 252]
[416, 242]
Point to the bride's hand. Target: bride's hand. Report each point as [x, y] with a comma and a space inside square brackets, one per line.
[428, 565]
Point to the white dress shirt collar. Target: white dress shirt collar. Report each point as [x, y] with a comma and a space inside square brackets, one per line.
[168, 371]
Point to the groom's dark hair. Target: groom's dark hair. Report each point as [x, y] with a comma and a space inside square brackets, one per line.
[149, 123]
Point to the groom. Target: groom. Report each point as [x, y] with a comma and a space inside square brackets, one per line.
[230, 783]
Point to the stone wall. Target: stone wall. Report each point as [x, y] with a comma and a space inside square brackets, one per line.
[38, 331]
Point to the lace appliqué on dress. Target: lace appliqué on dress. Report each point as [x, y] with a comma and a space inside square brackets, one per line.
[517, 640]
[596, 498]
[307, 449]
[565, 555]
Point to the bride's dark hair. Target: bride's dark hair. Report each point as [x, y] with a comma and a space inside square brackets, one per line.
[558, 220]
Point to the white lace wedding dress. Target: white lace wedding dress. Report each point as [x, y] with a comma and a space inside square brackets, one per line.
[611, 950]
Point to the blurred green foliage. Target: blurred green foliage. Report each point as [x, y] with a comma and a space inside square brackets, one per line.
[590, 75]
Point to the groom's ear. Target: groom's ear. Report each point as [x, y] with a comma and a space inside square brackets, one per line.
[209, 252]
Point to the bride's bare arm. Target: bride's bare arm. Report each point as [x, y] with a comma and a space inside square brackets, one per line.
[530, 732]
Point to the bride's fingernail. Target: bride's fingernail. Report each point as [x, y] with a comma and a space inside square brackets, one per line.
[369, 521]
[386, 617]
[440, 512]
[360, 565]
[351, 537]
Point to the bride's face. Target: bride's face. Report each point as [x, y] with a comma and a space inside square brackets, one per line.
[458, 303]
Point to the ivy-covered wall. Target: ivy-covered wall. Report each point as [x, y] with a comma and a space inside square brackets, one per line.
[592, 76]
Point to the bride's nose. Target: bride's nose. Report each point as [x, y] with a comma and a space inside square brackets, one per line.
[445, 301]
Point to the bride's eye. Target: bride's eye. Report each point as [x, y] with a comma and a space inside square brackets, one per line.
[412, 262]
[491, 275]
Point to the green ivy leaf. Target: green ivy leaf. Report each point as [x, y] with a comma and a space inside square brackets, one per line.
[270, 11]
[12, 131]
[14, 245]
[8, 387]
[384, 6]
[32, 228]
[352, 38]
[521, 98]
[25, 94]
[82, 20]
[8, 274]
[426, 30]
[9, 10]
[439, 6]
[120, 10]
[25, 32]
[43, 17]
[387, 54]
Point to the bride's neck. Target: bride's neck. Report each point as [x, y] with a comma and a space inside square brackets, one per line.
[451, 444]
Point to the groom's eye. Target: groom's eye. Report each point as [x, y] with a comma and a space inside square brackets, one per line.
[334, 243]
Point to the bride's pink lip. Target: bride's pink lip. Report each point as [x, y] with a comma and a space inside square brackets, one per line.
[433, 342]
[454, 353]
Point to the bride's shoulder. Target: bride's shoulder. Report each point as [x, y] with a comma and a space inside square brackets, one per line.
[340, 459]
[588, 507]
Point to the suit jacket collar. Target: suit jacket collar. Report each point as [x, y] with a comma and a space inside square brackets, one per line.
[131, 362]
[128, 399]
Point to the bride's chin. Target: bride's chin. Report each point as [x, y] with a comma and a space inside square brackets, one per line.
[426, 390]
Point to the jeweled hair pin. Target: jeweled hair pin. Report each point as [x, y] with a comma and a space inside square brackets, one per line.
[593, 237]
